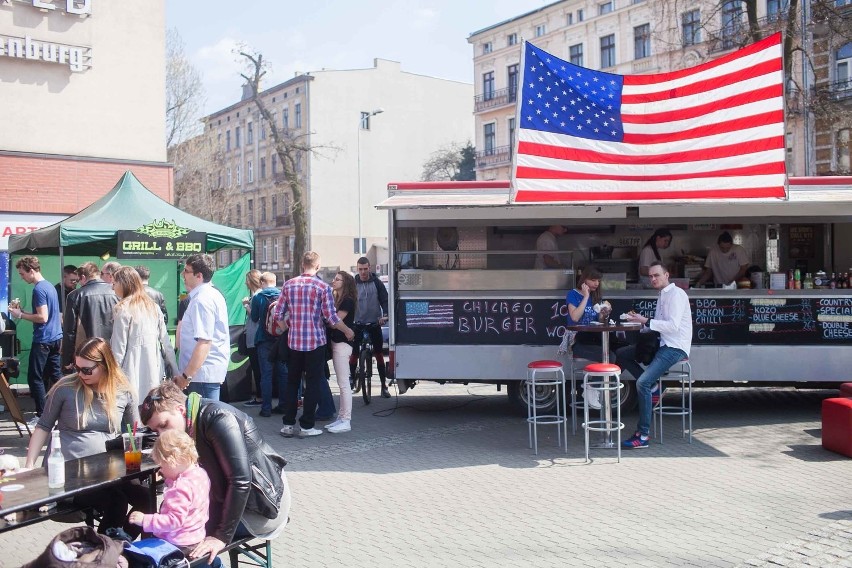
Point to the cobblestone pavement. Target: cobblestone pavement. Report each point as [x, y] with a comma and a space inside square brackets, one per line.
[443, 476]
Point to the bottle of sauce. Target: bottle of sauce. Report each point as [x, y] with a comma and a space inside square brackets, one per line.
[797, 279]
[820, 279]
[833, 282]
[55, 463]
[791, 282]
[808, 282]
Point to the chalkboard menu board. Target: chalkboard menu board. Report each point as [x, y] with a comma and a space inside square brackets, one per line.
[716, 321]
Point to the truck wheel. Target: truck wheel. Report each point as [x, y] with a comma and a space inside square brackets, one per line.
[545, 397]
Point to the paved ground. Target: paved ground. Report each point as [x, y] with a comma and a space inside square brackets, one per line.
[442, 476]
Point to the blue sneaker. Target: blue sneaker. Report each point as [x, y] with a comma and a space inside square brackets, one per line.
[656, 393]
[635, 442]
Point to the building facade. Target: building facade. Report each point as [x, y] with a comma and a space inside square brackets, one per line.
[626, 37]
[83, 90]
[366, 127]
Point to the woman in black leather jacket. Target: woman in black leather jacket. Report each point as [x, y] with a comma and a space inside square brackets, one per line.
[248, 490]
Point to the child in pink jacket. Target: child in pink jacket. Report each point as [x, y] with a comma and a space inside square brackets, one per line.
[186, 499]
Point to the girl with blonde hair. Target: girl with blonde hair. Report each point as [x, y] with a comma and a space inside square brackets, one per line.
[140, 339]
[254, 286]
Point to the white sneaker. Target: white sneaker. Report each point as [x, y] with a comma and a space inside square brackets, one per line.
[32, 422]
[593, 397]
[343, 426]
[310, 432]
[287, 431]
[331, 424]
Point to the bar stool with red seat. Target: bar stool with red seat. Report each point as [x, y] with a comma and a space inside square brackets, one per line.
[546, 374]
[605, 377]
[681, 372]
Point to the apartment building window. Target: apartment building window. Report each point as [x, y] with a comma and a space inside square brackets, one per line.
[608, 51]
[512, 81]
[249, 172]
[732, 17]
[512, 39]
[276, 248]
[219, 182]
[250, 133]
[263, 130]
[298, 115]
[274, 207]
[239, 175]
[840, 3]
[218, 139]
[844, 156]
[250, 212]
[274, 164]
[490, 136]
[265, 250]
[228, 141]
[228, 176]
[486, 48]
[575, 54]
[642, 41]
[263, 210]
[511, 126]
[580, 16]
[237, 137]
[843, 67]
[605, 8]
[488, 85]
[569, 19]
[540, 30]
[691, 22]
[285, 210]
[775, 9]
[239, 219]
[262, 168]
[285, 118]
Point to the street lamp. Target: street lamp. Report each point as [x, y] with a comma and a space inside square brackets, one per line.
[360, 245]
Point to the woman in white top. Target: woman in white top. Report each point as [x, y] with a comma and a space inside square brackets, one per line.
[140, 340]
[660, 240]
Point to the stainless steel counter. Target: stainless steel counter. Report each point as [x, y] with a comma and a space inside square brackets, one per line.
[484, 280]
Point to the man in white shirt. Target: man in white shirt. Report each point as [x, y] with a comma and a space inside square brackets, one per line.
[726, 263]
[205, 342]
[673, 320]
[546, 244]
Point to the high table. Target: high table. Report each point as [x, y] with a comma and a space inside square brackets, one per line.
[82, 476]
[604, 329]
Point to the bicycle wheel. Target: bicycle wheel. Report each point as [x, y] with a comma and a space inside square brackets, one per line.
[366, 386]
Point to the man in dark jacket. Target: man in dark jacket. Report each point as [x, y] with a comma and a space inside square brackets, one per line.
[88, 313]
[265, 344]
[145, 274]
[372, 308]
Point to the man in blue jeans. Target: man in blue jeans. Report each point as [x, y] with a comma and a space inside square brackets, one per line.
[673, 320]
[265, 344]
[44, 364]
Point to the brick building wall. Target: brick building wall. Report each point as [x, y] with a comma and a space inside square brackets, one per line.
[66, 185]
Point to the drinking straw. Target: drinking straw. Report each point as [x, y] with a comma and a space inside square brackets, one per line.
[132, 439]
[135, 426]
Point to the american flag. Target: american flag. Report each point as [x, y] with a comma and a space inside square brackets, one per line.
[711, 132]
[429, 314]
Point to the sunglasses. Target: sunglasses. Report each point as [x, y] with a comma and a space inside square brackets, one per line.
[86, 370]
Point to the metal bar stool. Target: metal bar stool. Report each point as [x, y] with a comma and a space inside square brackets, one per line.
[602, 375]
[554, 377]
[681, 372]
[576, 370]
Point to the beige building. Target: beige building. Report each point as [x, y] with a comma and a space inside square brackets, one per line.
[626, 37]
[367, 127]
[83, 90]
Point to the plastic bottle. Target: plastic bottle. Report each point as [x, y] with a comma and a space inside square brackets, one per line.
[833, 282]
[55, 463]
[797, 279]
[808, 282]
[791, 282]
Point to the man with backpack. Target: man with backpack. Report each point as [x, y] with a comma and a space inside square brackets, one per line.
[263, 306]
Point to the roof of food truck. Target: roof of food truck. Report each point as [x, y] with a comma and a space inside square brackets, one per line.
[444, 194]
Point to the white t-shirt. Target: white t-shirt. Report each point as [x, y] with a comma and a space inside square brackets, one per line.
[546, 242]
[725, 265]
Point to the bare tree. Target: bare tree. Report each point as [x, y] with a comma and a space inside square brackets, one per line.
[199, 188]
[184, 92]
[452, 162]
[289, 147]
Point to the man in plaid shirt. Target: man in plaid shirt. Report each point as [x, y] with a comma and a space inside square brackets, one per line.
[310, 305]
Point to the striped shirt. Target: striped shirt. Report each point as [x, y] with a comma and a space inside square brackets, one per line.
[310, 303]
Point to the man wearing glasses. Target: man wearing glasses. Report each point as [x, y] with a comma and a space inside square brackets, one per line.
[205, 341]
[673, 320]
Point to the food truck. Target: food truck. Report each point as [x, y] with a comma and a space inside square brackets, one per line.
[467, 306]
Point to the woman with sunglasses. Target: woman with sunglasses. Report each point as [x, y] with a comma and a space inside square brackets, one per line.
[140, 340]
[249, 493]
[93, 405]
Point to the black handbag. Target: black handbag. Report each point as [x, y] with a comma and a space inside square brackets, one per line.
[647, 346]
[242, 345]
[281, 350]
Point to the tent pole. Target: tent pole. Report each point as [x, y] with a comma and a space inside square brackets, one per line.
[61, 280]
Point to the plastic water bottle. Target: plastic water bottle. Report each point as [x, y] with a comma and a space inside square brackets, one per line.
[55, 463]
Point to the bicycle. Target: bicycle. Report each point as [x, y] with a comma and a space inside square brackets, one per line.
[364, 371]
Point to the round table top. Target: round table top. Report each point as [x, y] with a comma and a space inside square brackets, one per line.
[602, 327]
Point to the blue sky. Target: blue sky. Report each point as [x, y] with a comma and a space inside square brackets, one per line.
[428, 37]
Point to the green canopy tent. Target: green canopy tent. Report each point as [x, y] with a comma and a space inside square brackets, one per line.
[93, 233]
